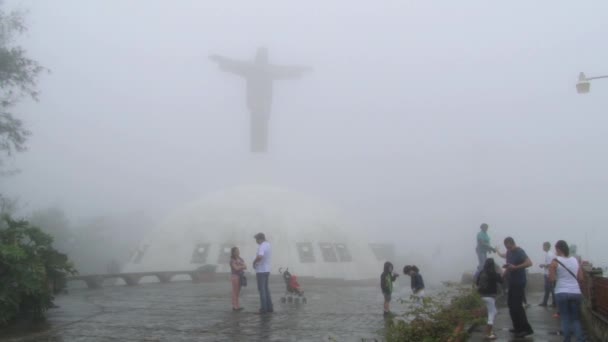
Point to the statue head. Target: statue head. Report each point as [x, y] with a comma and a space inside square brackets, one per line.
[261, 56]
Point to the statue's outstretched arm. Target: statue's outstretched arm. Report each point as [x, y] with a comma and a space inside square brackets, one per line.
[282, 72]
[231, 65]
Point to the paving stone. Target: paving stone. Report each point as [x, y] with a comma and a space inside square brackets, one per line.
[202, 312]
[184, 311]
[540, 318]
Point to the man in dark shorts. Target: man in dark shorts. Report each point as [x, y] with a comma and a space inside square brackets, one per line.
[515, 271]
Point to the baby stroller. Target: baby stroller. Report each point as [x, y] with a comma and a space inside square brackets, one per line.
[293, 291]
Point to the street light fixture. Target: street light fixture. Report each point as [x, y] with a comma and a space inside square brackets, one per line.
[583, 86]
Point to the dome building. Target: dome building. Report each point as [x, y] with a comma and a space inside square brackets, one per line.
[306, 235]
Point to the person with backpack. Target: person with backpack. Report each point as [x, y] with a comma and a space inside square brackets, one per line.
[566, 272]
[487, 285]
[386, 284]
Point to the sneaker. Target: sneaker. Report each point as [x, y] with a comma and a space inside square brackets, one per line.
[524, 333]
[491, 337]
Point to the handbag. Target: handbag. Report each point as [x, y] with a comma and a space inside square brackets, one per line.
[242, 279]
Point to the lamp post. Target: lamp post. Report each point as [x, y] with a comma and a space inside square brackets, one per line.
[583, 86]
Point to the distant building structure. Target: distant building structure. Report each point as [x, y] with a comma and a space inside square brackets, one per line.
[306, 235]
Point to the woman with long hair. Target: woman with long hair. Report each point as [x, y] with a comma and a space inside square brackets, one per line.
[487, 281]
[566, 272]
[237, 268]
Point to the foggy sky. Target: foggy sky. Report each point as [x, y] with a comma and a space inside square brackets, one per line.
[421, 118]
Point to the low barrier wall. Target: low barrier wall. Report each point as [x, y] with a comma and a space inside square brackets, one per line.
[595, 308]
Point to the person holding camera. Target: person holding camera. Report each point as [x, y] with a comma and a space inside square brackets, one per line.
[515, 274]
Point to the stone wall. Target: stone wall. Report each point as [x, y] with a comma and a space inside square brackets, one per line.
[595, 306]
[595, 324]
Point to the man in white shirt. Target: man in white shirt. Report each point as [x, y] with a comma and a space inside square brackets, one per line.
[548, 285]
[261, 264]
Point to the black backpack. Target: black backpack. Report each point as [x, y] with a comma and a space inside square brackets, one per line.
[483, 282]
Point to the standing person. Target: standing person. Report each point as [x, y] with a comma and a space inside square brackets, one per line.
[506, 281]
[261, 264]
[237, 268]
[417, 283]
[548, 284]
[566, 272]
[483, 246]
[574, 254]
[515, 270]
[486, 282]
[386, 284]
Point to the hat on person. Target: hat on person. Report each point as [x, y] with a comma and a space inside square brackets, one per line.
[260, 236]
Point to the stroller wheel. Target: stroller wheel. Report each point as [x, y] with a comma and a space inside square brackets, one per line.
[304, 300]
[290, 299]
[283, 300]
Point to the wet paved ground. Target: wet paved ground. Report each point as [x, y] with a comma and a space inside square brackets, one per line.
[545, 326]
[202, 312]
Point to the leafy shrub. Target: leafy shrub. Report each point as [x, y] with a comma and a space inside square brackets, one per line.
[437, 318]
[30, 268]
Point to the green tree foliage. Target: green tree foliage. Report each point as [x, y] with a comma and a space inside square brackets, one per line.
[30, 268]
[18, 76]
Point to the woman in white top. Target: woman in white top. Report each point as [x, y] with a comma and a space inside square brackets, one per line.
[566, 272]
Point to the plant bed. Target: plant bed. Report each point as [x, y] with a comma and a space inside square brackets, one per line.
[448, 316]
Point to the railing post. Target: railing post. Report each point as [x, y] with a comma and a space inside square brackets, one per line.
[131, 279]
[93, 282]
[195, 276]
[164, 277]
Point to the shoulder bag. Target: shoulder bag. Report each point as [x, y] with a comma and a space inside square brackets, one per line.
[571, 273]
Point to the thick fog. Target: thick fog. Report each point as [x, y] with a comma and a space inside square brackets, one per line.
[419, 121]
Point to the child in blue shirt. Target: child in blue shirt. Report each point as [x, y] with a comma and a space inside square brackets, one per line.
[417, 283]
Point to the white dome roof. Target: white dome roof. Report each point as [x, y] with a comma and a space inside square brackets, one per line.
[306, 235]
